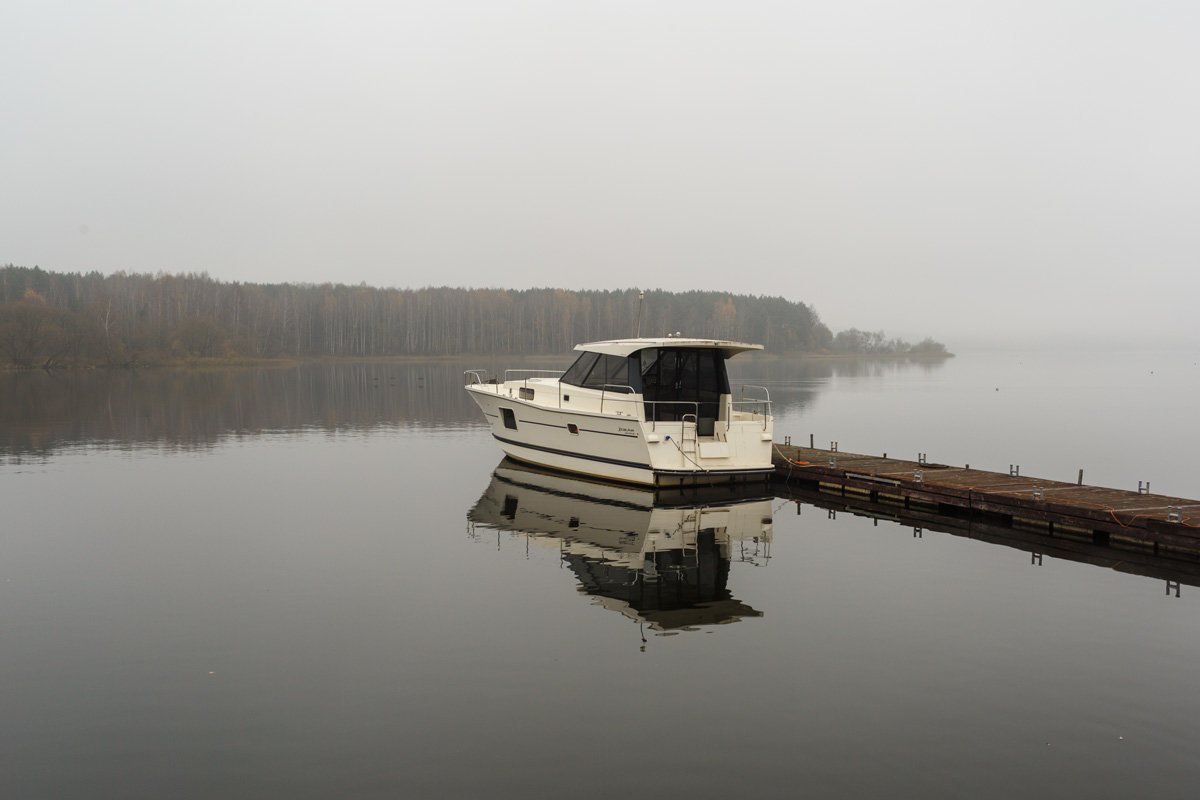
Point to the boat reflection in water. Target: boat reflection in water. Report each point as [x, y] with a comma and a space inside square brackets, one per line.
[661, 558]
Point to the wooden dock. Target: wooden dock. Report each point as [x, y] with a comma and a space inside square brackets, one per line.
[1139, 521]
[1032, 540]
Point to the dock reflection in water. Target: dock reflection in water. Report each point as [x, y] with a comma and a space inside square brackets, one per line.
[662, 559]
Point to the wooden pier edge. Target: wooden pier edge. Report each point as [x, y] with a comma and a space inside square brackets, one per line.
[1157, 524]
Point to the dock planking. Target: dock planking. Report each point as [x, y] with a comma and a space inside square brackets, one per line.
[1159, 524]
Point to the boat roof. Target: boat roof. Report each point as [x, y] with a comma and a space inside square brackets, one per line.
[625, 347]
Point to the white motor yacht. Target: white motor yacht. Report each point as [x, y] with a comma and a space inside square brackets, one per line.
[646, 411]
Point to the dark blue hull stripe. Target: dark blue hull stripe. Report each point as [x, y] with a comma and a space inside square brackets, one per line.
[636, 465]
[582, 430]
[572, 454]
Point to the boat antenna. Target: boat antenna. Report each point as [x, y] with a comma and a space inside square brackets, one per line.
[641, 296]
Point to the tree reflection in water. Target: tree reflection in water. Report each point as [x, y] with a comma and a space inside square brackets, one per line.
[41, 413]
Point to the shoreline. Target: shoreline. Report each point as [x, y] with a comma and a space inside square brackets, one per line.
[238, 362]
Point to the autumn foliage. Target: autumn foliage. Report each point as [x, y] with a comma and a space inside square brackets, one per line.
[52, 319]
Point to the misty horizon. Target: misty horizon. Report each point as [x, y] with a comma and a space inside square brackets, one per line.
[996, 172]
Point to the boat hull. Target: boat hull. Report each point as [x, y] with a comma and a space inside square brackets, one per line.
[613, 447]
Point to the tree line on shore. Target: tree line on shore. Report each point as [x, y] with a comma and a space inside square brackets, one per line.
[50, 319]
[192, 409]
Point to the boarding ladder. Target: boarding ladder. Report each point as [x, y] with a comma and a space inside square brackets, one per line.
[689, 444]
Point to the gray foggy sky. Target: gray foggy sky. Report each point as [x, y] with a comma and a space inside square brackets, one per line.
[967, 170]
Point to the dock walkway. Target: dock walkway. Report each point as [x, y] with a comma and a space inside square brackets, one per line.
[1126, 519]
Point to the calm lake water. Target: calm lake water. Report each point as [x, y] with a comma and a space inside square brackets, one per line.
[324, 582]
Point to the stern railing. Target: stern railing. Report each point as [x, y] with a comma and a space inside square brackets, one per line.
[753, 405]
[684, 417]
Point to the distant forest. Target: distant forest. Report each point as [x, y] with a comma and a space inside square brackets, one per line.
[50, 319]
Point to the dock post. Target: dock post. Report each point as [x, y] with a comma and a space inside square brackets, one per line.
[1081, 476]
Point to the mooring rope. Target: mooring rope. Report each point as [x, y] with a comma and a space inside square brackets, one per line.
[685, 455]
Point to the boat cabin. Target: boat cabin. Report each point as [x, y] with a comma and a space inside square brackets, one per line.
[676, 378]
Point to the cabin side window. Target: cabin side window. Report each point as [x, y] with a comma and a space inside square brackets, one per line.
[578, 371]
[596, 371]
[618, 371]
[608, 371]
